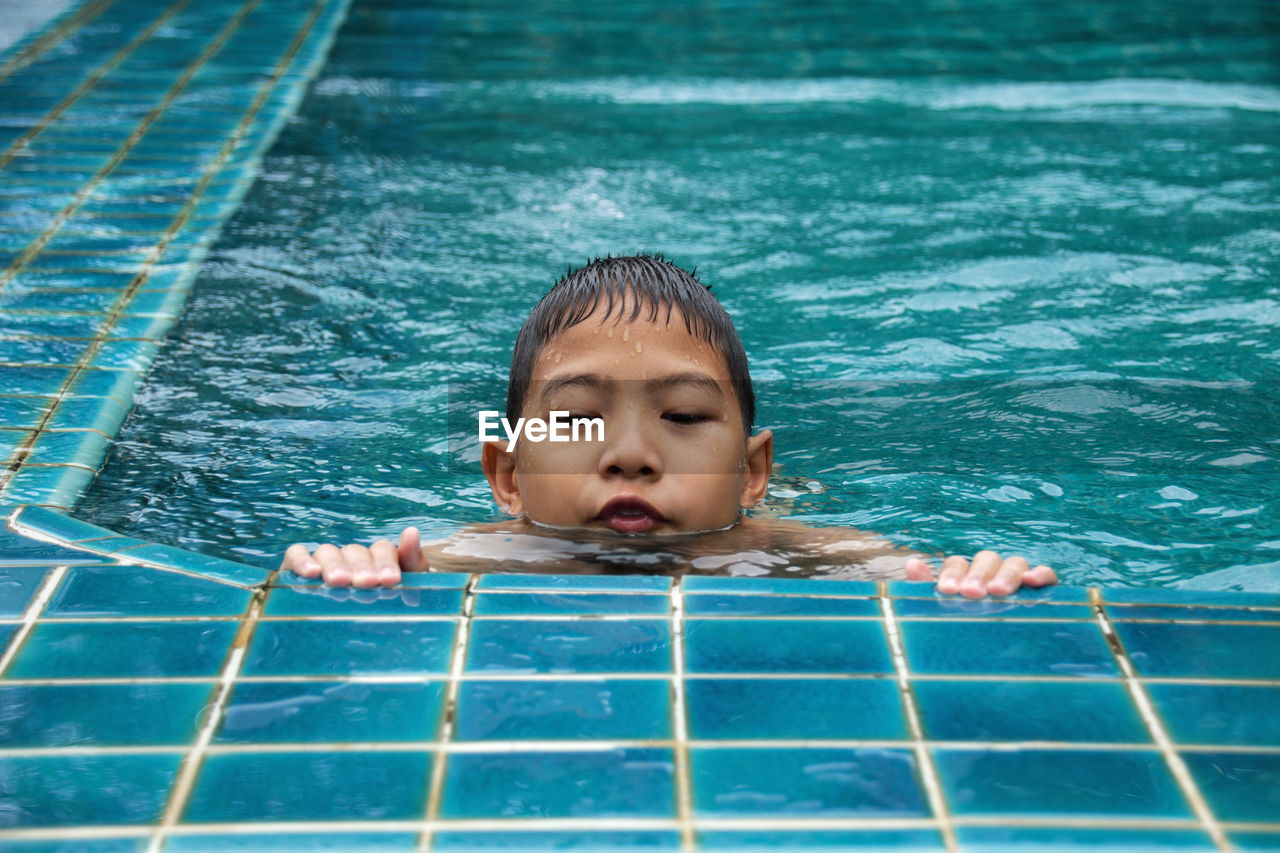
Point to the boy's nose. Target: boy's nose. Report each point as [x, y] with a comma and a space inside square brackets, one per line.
[629, 452]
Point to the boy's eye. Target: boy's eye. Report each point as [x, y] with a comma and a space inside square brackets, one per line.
[685, 418]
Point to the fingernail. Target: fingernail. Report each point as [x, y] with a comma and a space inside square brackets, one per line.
[388, 576]
[947, 585]
[339, 578]
[311, 567]
[364, 577]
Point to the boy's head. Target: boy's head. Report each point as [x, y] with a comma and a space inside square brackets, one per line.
[641, 344]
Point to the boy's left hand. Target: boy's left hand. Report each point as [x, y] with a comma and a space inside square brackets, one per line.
[988, 574]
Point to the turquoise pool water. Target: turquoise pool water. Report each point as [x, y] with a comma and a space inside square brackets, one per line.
[1006, 275]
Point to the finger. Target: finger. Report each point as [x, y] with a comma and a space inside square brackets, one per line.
[361, 563]
[1008, 577]
[298, 560]
[953, 569]
[334, 568]
[386, 562]
[411, 557]
[985, 564]
[918, 569]
[1039, 576]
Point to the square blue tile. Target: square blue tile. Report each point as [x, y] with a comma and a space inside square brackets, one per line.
[124, 649]
[787, 586]
[101, 714]
[609, 783]
[795, 708]
[639, 645]
[1059, 783]
[330, 601]
[782, 645]
[1161, 649]
[1025, 710]
[408, 580]
[321, 786]
[583, 583]
[61, 467]
[335, 840]
[805, 841]
[1007, 648]
[80, 845]
[819, 782]
[1167, 613]
[199, 564]
[1025, 839]
[1239, 786]
[346, 647]
[330, 712]
[56, 524]
[1243, 715]
[768, 604]
[17, 549]
[928, 589]
[17, 585]
[115, 790]
[989, 608]
[1187, 597]
[88, 591]
[534, 841]
[618, 709]
[569, 604]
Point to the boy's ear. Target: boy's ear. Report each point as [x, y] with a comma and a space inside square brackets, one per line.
[759, 467]
[500, 470]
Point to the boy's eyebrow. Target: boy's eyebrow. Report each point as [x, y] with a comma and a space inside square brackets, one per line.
[701, 380]
[598, 382]
[586, 380]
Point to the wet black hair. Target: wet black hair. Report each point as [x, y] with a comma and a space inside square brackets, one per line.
[653, 283]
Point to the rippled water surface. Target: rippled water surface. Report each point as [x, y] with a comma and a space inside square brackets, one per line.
[1006, 272]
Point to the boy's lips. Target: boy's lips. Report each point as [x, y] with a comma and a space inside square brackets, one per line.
[630, 514]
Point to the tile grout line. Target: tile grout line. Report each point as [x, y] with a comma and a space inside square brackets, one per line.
[928, 772]
[59, 32]
[449, 714]
[1185, 781]
[180, 793]
[89, 82]
[680, 721]
[34, 607]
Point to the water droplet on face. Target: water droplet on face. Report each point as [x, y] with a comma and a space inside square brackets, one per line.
[558, 357]
[626, 332]
[638, 347]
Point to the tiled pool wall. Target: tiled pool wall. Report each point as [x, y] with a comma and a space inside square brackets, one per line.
[157, 699]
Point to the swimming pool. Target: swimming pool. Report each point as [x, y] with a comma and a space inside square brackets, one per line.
[159, 699]
[1024, 304]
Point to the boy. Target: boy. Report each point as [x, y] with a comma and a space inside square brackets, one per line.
[643, 346]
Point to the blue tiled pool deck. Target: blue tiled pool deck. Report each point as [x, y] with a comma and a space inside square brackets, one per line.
[156, 699]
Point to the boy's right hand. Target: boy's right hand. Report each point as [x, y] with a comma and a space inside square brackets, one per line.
[355, 565]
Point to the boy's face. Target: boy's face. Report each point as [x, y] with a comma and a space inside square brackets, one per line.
[675, 457]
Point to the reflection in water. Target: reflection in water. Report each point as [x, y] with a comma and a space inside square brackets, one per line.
[753, 548]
